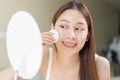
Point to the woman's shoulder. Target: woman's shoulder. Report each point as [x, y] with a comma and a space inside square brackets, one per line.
[101, 61]
[103, 67]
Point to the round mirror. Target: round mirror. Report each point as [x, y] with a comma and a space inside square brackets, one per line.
[24, 44]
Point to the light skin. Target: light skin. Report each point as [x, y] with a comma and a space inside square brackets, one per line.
[73, 31]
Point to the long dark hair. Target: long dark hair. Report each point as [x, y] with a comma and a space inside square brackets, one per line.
[87, 69]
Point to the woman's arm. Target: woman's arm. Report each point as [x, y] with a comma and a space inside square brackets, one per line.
[7, 74]
[103, 68]
[47, 40]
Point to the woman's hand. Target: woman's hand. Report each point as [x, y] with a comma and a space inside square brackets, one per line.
[47, 38]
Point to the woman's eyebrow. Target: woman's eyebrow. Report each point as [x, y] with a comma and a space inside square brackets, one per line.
[65, 20]
[82, 23]
[79, 23]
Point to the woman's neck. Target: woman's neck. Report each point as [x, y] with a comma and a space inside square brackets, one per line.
[67, 62]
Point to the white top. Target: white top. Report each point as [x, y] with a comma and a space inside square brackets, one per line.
[49, 64]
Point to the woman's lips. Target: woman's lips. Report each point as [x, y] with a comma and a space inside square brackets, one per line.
[69, 44]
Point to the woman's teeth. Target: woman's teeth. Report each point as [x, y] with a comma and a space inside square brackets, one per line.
[69, 45]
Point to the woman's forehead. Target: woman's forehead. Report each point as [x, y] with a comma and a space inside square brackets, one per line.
[72, 15]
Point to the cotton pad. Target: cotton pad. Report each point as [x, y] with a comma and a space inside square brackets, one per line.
[55, 34]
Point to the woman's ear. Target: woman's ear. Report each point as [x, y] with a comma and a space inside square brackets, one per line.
[52, 26]
[88, 36]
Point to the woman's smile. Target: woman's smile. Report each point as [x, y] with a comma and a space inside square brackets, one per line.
[69, 44]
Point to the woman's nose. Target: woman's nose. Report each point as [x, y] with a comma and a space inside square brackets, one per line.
[71, 34]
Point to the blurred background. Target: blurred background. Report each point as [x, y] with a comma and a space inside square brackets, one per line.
[106, 18]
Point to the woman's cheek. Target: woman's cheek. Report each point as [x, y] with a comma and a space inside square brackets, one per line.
[82, 37]
[62, 34]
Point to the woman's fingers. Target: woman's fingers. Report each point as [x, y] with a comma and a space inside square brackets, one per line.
[47, 38]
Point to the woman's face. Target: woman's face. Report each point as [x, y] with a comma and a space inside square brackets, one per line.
[73, 31]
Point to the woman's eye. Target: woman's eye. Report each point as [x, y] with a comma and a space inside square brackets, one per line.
[65, 27]
[77, 29]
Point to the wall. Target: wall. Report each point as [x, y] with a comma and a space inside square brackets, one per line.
[119, 22]
[105, 19]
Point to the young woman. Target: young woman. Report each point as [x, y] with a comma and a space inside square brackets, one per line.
[73, 55]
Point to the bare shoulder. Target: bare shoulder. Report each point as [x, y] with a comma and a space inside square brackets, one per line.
[103, 67]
